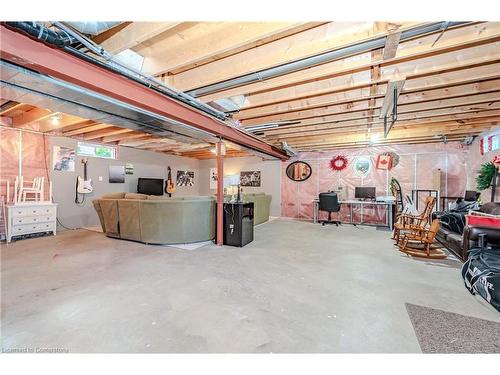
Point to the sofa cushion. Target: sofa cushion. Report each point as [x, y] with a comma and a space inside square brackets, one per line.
[198, 197]
[109, 210]
[128, 210]
[455, 239]
[492, 208]
[117, 195]
[453, 221]
[158, 197]
[136, 196]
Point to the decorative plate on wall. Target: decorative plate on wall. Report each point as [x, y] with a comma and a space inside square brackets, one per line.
[362, 166]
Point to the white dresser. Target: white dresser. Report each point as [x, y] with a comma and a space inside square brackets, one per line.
[30, 217]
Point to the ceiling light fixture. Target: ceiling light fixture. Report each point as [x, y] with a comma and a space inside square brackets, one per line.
[56, 118]
[223, 149]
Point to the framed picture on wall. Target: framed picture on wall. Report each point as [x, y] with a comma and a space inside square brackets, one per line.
[129, 168]
[213, 178]
[250, 178]
[116, 174]
[63, 159]
[185, 178]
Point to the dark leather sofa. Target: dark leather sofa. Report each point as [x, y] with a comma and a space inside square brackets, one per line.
[461, 243]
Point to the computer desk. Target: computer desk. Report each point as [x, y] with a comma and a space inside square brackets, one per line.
[352, 202]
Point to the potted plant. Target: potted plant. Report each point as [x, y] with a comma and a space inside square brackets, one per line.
[487, 178]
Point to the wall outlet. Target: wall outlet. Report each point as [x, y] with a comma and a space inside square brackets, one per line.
[100, 178]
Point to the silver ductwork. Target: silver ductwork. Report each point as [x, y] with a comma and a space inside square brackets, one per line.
[25, 86]
[93, 27]
[112, 63]
[319, 59]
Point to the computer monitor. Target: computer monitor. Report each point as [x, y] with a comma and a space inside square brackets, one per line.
[364, 192]
[470, 196]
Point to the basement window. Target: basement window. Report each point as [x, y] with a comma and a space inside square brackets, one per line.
[96, 151]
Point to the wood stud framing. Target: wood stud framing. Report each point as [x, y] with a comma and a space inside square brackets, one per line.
[451, 87]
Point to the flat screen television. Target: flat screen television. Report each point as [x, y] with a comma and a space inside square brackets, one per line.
[364, 192]
[150, 186]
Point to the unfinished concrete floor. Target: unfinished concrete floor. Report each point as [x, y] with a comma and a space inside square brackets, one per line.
[298, 287]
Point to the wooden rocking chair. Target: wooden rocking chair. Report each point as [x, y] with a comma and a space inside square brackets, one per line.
[407, 222]
[419, 242]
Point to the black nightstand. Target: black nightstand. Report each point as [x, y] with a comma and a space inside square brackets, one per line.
[238, 224]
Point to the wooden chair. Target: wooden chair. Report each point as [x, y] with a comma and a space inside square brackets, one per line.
[406, 222]
[397, 192]
[36, 189]
[419, 242]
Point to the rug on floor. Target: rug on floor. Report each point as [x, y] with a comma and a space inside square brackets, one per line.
[441, 331]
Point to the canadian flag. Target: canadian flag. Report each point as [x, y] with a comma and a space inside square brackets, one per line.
[384, 161]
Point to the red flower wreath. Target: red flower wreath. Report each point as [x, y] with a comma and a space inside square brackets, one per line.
[338, 163]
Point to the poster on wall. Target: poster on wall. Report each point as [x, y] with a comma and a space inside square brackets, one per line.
[185, 178]
[362, 166]
[129, 168]
[250, 178]
[116, 174]
[213, 178]
[63, 159]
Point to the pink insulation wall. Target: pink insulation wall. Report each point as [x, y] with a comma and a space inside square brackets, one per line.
[33, 150]
[414, 170]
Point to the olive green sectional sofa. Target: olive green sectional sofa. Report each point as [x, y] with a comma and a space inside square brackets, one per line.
[156, 220]
[261, 205]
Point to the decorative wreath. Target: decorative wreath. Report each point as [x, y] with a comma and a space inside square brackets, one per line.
[338, 163]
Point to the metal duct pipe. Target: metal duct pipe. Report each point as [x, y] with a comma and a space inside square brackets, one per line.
[322, 58]
[93, 27]
[42, 33]
[67, 36]
[136, 75]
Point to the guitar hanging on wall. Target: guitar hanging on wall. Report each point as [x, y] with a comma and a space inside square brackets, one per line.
[169, 184]
[84, 183]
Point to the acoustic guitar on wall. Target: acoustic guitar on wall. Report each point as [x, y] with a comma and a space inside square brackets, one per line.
[169, 184]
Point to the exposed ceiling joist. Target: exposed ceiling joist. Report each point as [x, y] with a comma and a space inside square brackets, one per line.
[419, 49]
[106, 132]
[86, 129]
[36, 114]
[134, 34]
[196, 44]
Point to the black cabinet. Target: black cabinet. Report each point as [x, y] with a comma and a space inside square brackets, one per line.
[238, 224]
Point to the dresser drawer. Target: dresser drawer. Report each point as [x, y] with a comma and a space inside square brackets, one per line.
[32, 228]
[33, 211]
[32, 219]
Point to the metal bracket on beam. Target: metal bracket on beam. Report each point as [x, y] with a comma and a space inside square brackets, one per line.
[390, 104]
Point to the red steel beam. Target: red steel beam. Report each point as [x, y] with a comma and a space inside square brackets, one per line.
[220, 195]
[22, 50]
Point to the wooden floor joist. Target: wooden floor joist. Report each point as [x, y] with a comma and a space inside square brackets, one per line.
[451, 84]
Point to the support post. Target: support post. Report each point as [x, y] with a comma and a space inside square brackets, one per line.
[220, 195]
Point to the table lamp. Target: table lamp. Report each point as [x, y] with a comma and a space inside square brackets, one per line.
[232, 184]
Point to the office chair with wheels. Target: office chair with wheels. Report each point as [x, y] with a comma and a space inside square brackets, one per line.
[329, 202]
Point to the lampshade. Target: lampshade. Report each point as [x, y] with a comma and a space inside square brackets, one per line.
[231, 180]
[232, 190]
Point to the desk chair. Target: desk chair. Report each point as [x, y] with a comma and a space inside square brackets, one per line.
[329, 202]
